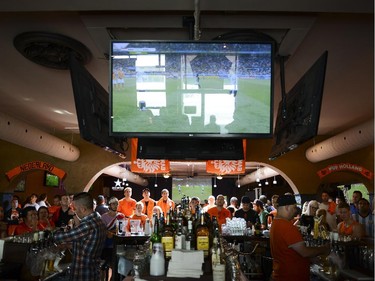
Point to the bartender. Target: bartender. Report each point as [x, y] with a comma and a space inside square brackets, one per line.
[88, 236]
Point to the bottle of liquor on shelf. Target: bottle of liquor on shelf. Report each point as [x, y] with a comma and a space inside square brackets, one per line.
[147, 229]
[203, 236]
[190, 239]
[179, 239]
[168, 237]
[215, 249]
[257, 228]
[217, 260]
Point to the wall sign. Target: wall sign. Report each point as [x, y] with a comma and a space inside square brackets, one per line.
[35, 165]
[345, 167]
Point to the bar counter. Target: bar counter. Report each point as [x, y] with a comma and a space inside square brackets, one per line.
[252, 251]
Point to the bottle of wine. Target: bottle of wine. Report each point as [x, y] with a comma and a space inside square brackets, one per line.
[155, 236]
[203, 236]
[189, 240]
[168, 237]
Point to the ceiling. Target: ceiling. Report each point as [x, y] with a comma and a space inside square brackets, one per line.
[43, 96]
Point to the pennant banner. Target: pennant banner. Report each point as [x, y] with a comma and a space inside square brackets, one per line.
[345, 167]
[146, 166]
[35, 165]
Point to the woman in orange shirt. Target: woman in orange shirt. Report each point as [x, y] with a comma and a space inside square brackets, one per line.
[348, 226]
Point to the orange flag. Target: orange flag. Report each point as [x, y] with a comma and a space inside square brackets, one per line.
[146, 166]
[227, 167]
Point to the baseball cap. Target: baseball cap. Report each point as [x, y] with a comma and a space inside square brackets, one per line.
[245, 199]
[285, 200]
[258, 203]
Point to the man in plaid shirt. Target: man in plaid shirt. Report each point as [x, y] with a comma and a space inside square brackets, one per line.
[88, 237]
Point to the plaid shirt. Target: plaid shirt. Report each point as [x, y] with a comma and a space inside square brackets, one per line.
[88, 240]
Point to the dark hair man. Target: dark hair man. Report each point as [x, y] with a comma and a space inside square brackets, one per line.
[291, 256]
[88, 236]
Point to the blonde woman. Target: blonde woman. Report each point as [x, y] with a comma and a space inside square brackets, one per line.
[307, 218]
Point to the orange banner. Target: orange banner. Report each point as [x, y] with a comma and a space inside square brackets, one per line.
[225, 167]
[146, 166]
[228, 167]
[35, 165]
[345, 167]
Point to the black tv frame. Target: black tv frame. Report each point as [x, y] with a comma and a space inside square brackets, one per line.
[188, 135]
[92, 108]
[298, 115]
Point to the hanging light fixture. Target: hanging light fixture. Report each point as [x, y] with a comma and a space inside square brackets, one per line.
[238, 181]
[259, 184]
[166, 175]
[219, 177]
[266, 182]
[274, 180]
[215, 182]
[156, 180]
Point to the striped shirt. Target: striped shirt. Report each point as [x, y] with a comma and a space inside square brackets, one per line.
[88, 240]
[367, 222]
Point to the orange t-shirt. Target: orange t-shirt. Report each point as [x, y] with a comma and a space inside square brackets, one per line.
[165, 205]
[287, 263]
[221, 216]
[126, 207]
[142, 218]
[347, 230]
[150, 206]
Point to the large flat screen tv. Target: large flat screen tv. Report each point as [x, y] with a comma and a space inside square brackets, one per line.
[92, 106]
[191, 89]
[298, 116]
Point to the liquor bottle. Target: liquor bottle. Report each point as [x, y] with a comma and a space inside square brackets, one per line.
[203, 236]
[147, 229]
[168, 237]
[257, 228]
[215, 249]
[179, 239]
[189, 240]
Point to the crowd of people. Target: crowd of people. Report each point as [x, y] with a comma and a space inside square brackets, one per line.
[94, 222]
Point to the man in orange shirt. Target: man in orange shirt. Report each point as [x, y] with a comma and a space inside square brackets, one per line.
[126, 205]
[165, 203]
[148, 203]
[219, 211]
[291, 257]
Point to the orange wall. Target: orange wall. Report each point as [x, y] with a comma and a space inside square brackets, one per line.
[294, 164]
